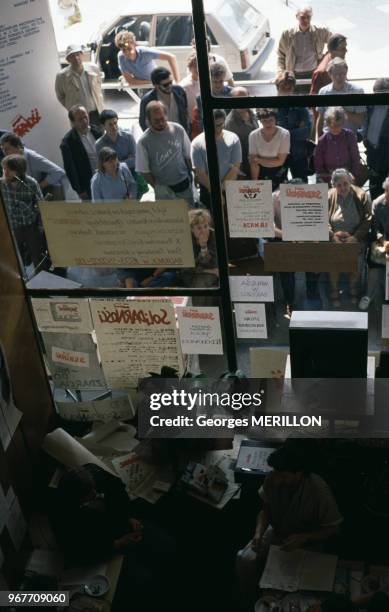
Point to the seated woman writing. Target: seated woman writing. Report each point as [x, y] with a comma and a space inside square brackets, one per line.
[349, 219]
[298, 511]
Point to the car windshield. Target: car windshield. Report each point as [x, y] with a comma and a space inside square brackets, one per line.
[238, 17]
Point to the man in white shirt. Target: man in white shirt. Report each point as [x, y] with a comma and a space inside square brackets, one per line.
[80, 84]
[163, 156]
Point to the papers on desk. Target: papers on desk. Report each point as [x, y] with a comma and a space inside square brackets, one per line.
[298, 570]
[254, 458]
[138, 476]
[120, 408]
[114, 436]
[68, 451]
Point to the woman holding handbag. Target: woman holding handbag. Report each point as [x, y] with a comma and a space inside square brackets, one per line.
[378, 251]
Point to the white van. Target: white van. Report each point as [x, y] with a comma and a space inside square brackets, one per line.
[238, 31]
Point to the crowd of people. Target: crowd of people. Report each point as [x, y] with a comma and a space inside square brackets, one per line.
[344, 147]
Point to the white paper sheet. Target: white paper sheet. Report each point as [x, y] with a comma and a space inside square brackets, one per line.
[254, 458]
[119, 408]
[250, 209]
[298, 569]
[251, 288]
[250, 320]
[73, 361]
[63, 315]
[200, 331]
[135, 337]
[304, 212]
[65, 449]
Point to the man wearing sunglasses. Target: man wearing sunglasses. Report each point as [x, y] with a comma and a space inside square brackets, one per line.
[173, 97]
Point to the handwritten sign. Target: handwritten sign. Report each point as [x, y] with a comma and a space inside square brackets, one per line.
[251, 288]
[250, 320]
[304, 212]
[250, 209]
[135, 337]
[62, 315]
[200, 331]
[75, 358]
[73, 362]
[28, 61]
[128, 234]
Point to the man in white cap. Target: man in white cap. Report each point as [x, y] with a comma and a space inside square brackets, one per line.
[80, 84]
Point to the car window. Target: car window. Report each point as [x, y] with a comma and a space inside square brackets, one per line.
[177, 31]
[140, 25]
[174, 31]
[237, 16]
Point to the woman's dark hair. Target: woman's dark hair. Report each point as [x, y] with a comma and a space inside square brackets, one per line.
[12, 139]
[286, 459]
[75, 486]
[106, 154]
[265, 113]
[334, 41]
[106, 115]
[15, 163]
[159, 74]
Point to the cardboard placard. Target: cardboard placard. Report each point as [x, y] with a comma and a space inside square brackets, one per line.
[311, 257]
[135, 337]
[62, 315]
[73, 362]
[120, 235]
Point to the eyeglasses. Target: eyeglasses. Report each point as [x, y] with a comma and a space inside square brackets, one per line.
[167, 84]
